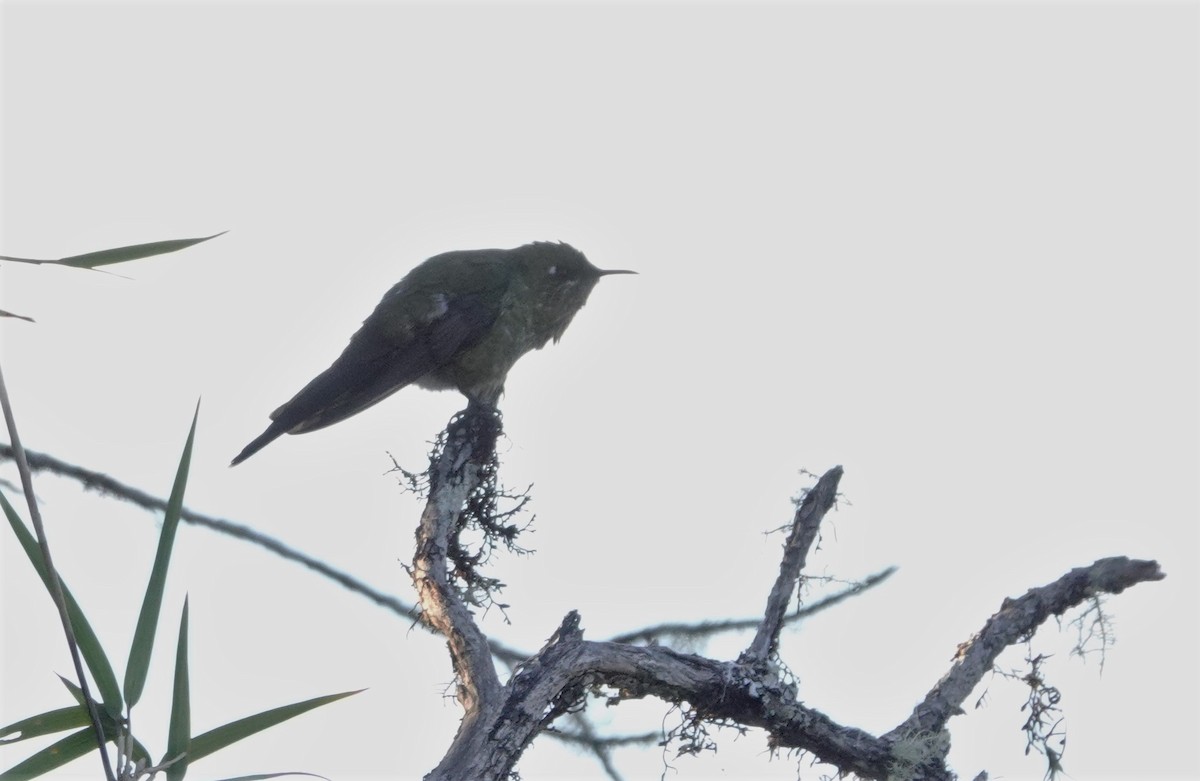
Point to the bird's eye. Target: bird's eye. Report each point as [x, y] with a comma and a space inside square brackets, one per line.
[552, 270]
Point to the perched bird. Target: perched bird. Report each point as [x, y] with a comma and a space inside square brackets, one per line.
[458, 320]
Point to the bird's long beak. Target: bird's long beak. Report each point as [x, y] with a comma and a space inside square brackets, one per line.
[605, 272]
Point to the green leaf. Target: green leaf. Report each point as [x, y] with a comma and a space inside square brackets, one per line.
[45, 724]
[180, 730]
[132, 252]
[74, 689]
[112, 725]
[217, 739]
[89, 645]
[147, 625]
[107, 257]
[140, 753]
[19, 317]
[55, 756]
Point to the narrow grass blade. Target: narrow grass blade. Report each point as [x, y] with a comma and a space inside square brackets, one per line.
[107, 257]
[19, 317]
[70, 748]
[89, 645]
[147, 625]
[219, 738]
[45, 724]
[112, 724]
[74, 689]
[180, 729]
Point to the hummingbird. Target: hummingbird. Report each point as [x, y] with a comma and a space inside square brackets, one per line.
[458, 320]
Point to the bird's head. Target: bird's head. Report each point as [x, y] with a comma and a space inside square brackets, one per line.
[560, 279]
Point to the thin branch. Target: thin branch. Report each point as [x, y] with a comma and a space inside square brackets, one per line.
[1016, 619]
[853, 590]
[704, 629]
[588, 738]
[108, 486]
[600, 747]
[696, 630]
[52, 579]
[805, 525]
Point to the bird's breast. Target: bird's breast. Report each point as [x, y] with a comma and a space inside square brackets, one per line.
[479, 371]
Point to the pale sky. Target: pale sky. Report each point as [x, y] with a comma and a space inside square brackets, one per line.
[952, 248]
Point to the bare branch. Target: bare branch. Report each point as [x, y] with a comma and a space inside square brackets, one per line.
[702, 629]
[805, 525]
[696, 630]
[1016, 619]
[1095, 631]
[853, 590]
[455, 474]
[108, 486]
[588, 737]
[752, 692]
[600, 745]
[718, 690]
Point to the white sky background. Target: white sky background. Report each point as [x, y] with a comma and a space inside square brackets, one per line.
[952, 248]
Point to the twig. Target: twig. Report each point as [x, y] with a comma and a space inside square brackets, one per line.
[805, 525]
[707, 628]
[106, 485]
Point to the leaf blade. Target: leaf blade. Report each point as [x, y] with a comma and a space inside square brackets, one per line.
[140, 652]
[45, 724]
[179, 732]
[227, 734]
[70, 748]
[106, 257]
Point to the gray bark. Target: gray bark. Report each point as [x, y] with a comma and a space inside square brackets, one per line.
[500, 721]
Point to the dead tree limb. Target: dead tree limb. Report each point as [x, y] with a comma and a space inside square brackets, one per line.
[807, 522]
[454, 476]
[499, 722]
[1016, 620]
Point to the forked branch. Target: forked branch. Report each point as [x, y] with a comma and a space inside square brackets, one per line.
[500, 722]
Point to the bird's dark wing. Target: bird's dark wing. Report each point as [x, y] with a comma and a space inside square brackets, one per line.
[389, 352]
[378, 362]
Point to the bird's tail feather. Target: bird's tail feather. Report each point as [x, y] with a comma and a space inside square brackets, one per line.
[273, 432]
